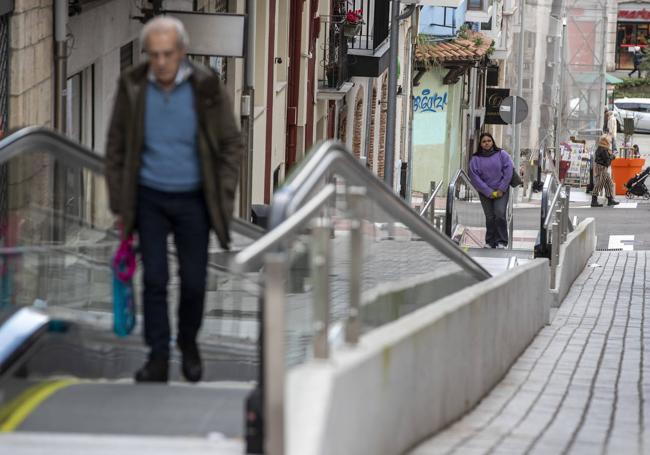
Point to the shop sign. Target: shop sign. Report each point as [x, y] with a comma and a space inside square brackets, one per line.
[494, 97]
[634, 12]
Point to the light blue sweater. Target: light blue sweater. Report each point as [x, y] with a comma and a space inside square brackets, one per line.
[170, 160]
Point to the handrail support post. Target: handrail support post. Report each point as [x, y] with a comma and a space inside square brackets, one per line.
[355, 198]
[321, 230]
[555, 252]
[275, 276]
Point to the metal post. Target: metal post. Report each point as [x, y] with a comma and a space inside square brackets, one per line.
[353, 324]
[555, 251]
[559, 217]
[248, 115]
[275, 274]
[60, 63]
[389, 163]
[560, 100]
[567, 192]
[320, 281]
[432, 207]
[511, 223]
[520, 87]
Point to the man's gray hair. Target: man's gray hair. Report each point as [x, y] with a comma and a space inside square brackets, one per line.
[164, 24]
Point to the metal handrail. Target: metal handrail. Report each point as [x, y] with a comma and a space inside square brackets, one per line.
[451, 191]
[251, 257]
[331, 158]
[431, 198]
[53, 142]
[69, 151]
[550, 214]
[544, 211]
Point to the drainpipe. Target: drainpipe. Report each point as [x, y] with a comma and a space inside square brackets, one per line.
[293, 94]
[60, 63]
[248, 115]
[409, 158]
[270, 97]
[389, 164]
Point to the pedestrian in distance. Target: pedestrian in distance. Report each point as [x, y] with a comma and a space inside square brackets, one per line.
[490, 171]
[636, 61]
[605, 118]
[172, 165]
[612, 127]
[602, 160]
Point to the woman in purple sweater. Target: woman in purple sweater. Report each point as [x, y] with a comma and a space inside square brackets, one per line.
[490, 170]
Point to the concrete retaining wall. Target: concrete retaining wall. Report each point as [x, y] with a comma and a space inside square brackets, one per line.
[410, 378]
[574, 254]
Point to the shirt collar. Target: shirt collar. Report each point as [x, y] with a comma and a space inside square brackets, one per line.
[184, 72]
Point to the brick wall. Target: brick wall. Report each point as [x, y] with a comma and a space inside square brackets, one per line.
[383, 121]
[31, 65]
[371, 146]
[358, 135]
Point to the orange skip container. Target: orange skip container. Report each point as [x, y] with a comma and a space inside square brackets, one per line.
[623, 169]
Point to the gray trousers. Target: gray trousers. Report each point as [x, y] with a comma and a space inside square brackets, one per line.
[496, 220]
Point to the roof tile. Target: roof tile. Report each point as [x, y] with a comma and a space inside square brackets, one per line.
[454, 50]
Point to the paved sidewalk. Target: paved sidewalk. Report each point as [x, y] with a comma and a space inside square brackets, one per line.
[581, 385]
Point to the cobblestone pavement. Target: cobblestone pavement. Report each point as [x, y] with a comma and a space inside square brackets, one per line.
[581, 386]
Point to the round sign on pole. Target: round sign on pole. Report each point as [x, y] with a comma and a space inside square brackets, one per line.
[506, 110]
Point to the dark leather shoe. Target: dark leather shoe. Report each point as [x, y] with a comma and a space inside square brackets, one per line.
[155, 370]
[191, 363]
[612, 201]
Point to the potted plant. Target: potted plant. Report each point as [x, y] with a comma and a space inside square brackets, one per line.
[352, 23]
[331, 72]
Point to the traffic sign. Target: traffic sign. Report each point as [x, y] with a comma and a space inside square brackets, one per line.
[506, 110]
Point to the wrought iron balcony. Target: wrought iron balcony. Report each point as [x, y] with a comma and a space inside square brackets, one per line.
[368, 43]
[335, 55]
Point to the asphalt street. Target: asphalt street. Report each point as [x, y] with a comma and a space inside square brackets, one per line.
[609, 221]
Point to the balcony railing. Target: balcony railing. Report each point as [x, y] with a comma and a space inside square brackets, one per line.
[335, 55]
[376, 18]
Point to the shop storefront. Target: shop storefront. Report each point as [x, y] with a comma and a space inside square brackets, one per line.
[632, 32]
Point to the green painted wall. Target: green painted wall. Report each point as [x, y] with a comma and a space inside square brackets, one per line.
[436, 130]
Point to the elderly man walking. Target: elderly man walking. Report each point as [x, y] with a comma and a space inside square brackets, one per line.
[172, 162]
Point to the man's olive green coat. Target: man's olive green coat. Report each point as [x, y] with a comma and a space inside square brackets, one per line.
[219, 146]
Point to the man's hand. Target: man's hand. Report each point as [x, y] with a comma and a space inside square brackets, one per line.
[498, 194]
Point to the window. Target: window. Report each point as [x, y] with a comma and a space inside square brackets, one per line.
[80, 101]
[126, 56]
[475, 5]
[633, 107]
[486, 25]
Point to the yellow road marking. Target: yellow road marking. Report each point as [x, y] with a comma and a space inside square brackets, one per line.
[14, 413]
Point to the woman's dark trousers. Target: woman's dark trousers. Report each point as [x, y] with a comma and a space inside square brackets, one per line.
[185, 216]
[496, 222]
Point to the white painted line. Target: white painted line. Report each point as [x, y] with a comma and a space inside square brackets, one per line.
[626, 205]
[623, 242]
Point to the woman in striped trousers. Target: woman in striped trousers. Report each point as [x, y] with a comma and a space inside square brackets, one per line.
[602, 160]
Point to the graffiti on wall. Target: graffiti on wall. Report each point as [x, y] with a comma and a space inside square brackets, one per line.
[430, 102]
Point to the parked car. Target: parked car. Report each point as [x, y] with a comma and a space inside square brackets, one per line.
[636, 108]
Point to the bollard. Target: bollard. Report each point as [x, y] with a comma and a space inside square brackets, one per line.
[555, 252]
[355, 197]
[275, 276]
[321, 230]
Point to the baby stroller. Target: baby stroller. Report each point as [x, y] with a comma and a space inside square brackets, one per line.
[636, 185]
